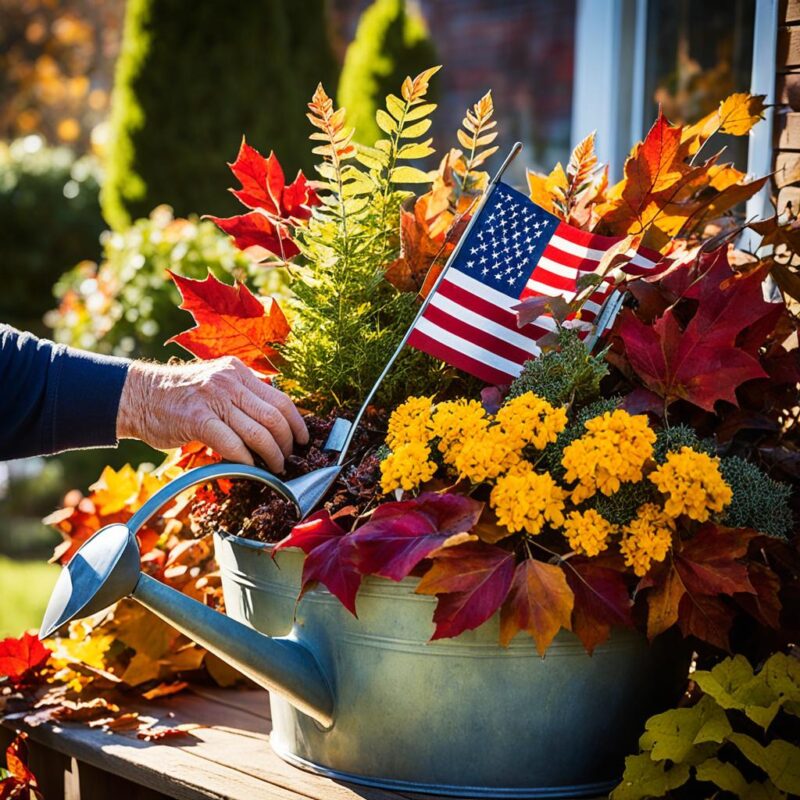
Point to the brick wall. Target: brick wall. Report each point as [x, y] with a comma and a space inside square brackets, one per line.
[787, 110]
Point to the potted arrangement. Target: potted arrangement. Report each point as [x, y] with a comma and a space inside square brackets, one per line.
[507, 570]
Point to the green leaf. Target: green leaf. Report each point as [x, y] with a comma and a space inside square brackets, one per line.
[368, 157]
[729, 779]
[418, 112]
[409, 175]
[412, 131]
[416, 149]
[779, 759]
[385, 122]
[674, 734]
[734, 686]
[644, 778]
[396, 106]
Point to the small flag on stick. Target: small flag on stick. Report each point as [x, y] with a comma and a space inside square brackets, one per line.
[514, 250]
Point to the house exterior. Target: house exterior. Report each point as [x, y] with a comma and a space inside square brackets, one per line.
[559, 70]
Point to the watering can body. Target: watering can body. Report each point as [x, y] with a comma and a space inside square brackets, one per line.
[460, 716]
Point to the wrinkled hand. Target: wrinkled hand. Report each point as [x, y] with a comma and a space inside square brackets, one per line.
[220, 403]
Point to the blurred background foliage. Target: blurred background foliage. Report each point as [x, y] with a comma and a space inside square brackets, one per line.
[51, 219]
[123, 305]
[391, 41]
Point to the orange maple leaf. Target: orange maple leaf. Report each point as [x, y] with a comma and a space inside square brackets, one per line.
[230, 321]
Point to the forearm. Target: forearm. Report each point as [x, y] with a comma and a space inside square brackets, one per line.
[55, 398]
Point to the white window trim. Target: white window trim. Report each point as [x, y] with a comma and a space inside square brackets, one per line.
[608, 88]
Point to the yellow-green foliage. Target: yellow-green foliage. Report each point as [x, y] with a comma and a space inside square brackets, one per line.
[347, 318]
[740, 723]
[391, 41]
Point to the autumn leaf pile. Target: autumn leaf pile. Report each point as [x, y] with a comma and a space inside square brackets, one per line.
[647, 484]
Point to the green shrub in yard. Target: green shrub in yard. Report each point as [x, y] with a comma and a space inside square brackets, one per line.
[49, 219]
[127, 305]
[190, 80]
[391, 42]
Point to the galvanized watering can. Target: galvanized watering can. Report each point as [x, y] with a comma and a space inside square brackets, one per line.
[368, 700]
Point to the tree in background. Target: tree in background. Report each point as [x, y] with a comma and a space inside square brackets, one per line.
[391, 42]
[171, 133]
[56, 65]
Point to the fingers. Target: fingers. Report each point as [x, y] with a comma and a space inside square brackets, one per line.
[285, 406]
[257, 437]
[220, 438]
[267, 416]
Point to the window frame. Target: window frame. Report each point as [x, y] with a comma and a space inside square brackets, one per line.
[608, 88]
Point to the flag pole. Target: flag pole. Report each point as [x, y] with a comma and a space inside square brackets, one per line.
[513, 153]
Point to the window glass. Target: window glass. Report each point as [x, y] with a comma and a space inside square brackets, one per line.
[698, 52]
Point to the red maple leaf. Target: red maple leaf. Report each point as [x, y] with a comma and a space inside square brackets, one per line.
[230, 321]
[400, 535]
[701, 363]
[21, 659]
[602, 601]
[275, 206]
[330, 557]
[687, 589]
[471, 582]
[540, 602]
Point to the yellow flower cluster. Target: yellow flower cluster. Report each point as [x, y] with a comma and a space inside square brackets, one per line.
[646, 538]
[525, 500]
[528, 419]
[588, 532]
[410, 422]
[457, 421]
[614, 449]
[692, 483]
[485, 455]
[407, 467]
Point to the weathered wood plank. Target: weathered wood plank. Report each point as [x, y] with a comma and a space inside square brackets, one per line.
[787, 90]
[789, 195]
[253, 701]
[788, 54]
[789, 11]
[787, 131]
[167, 768]
[787, 169]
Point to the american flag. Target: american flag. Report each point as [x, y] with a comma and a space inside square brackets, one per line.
[514, 250]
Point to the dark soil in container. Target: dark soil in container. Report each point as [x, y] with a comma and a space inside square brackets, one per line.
[255, 511]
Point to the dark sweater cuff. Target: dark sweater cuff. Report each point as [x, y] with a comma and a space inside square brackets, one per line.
[85, 399]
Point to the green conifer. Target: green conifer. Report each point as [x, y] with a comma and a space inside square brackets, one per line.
[190, 81]
[391, 42]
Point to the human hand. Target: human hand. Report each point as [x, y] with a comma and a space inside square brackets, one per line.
[220, 403]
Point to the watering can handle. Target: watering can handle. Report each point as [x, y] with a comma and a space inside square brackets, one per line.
[197, 476]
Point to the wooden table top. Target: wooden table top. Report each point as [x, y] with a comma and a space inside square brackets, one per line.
[227, 758]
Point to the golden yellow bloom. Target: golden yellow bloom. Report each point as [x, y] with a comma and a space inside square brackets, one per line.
[693, 484]
[646, 538]
[529, 419]
[484, 455]
[588, 532]
[526, 500]
[455, 422]
[407, 467]
[410, 422]
[614, 449]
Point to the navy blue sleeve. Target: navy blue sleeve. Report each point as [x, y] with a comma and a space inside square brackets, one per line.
[55, 398]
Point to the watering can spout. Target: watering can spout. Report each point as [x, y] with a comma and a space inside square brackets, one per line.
[281, 664]
[106, 568]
